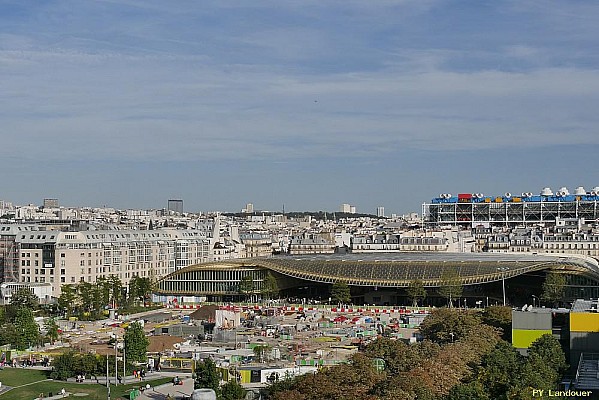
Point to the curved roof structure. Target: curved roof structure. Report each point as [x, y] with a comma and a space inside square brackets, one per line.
[398, 269]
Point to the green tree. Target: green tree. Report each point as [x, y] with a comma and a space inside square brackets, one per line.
[450, 286]
[468, 391]
[340, 293]
[270, 287]
[9, 334]
[136, 343]
[140, 288]
[400, 357]
[102, 292]
[553, 288]
[261, 351]
[27, 329]
[548, 349]
[115, 290]
[63, 366]
[499, 317]
[51, 330]
[500, 371]
[87, 364]
[206, 375]
[445, 325]
[232, 390]
[85, 290]
[68, 299]
[246, 286]
[24, 298]
[416, 291]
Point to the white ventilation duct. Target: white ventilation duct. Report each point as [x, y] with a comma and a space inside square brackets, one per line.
[546, 192]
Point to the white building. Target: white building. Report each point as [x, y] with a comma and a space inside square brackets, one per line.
[59, 258]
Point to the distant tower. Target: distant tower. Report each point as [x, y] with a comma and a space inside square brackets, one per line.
[380, 212]
[345, 208]
[50, 203]
[249, 208]
[175, 205]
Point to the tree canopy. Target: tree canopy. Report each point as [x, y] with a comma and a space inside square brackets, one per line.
[451, 286]
[23, 297]
[416, 291]
[340, 293]
[246, 286]
[553, 288]
[136, 343]
[475, 365]
[206, 376]
[270, 287]
[27, 329]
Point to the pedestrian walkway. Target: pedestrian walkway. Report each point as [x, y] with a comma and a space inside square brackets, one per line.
[163, 391]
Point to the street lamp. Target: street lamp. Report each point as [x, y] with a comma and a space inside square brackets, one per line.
[503, 269]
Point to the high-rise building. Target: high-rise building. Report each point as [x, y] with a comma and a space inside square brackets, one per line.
[380, 212]
[50, 203]
[345, 208]
[249, 208]
[175, 205]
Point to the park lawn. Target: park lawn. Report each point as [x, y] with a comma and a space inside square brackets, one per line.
[21, 376]
[95, 391]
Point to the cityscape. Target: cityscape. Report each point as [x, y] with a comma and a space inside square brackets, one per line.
[283, 200]
[266, 298]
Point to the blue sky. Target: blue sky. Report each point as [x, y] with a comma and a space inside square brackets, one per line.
[306, 103]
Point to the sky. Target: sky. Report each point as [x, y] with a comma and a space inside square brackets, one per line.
[307, 104]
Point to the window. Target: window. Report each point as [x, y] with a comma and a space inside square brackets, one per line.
[62, 271]
[62, 279]
[72, 279]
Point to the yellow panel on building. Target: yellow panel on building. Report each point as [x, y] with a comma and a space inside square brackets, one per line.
[523, 338]
[584, 322]
[246, 376]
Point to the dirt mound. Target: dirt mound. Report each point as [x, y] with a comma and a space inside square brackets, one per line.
[204, 313]
[163, 343]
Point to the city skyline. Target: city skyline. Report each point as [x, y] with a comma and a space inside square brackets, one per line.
[311, 105]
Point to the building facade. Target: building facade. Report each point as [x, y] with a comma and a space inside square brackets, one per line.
[473, 209]
[60, 258]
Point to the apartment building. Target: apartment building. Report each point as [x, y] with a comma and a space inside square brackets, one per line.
[375, 243]
[256, 244]
[60, 258]
[310, 243]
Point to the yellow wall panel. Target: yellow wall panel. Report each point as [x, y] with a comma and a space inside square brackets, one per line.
[523, 338]
[584, 322]
[246, 376]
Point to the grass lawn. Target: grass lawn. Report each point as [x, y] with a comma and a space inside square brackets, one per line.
[15, 377]
[21, 376]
